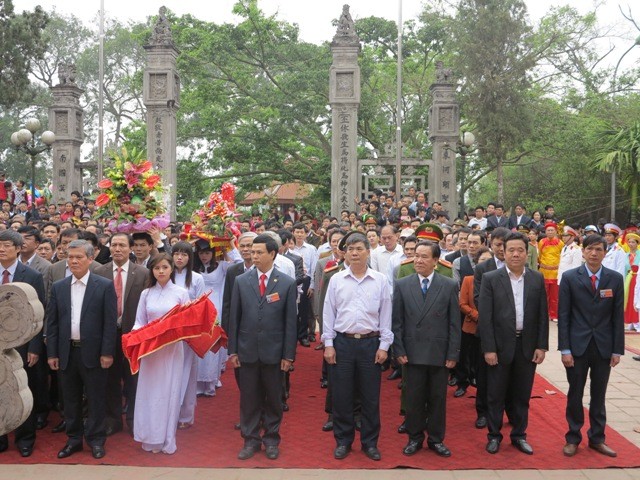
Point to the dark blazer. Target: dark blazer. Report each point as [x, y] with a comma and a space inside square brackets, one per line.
[481, 269]
[494, 222]
[513, 221]
[583, 314]
[298, 262]
[58, 271]
[230, 278]
[137, 279]
[98, 331]
[426, 330]
[34, 278]
[260, 331]
[453, 255]
[497, 315]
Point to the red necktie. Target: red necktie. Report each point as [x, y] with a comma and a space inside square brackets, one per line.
[263, 284]
[5, 277]
[117, 283]
[593, 283]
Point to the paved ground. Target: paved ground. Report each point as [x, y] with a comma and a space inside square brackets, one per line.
[623, 414]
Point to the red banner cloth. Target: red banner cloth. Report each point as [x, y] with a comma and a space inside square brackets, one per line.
[193, 322]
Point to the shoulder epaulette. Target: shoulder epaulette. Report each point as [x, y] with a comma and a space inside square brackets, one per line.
[444, 263]
[407, 261]
[331, 269]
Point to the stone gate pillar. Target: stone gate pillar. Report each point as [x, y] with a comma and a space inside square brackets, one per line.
[444, 133]
[66, 120]
[344, 97]
[162, 99]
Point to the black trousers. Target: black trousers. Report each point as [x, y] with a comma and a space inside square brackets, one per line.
[467, 368]
[119, 379]
[77, 380]
[355, 373]
[510, 384]
[25, 434]
[304, 310]
[599, 370]
[425, 384]
[260, 403]
[481, 383]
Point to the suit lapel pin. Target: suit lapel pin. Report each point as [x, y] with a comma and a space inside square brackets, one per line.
[275, 280]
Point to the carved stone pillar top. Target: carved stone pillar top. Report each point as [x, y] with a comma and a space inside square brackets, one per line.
[346, 33]
[161, 33]
[443, 75]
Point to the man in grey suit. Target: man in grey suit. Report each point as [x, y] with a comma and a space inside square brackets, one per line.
[133, 280]
[427, 335]
[262, 340]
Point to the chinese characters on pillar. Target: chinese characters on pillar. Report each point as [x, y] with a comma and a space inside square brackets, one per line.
[344, 120]
[157, 127]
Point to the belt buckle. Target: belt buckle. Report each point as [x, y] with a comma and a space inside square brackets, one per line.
[357, 335]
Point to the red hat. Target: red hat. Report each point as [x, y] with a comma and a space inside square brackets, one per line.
[551, 224]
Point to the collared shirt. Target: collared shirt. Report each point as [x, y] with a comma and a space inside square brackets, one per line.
[28, 262]
[517, 287]
[267, 273]
[455, 268]
[499, 263]
[285, 265]
[309, 255]
[429, 279]
[355, 305]
[144, 262]
[78, 288]
[615, 259]
[482, 222]
[381, 257]
[125, 274]
[12, 270]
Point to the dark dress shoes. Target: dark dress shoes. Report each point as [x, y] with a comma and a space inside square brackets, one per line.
[570, 449]
[402, 428]
[97, 451]
[247, 452]
[320, 346]
[328, 425]
[358, 424]
[272, 452]
[523, 446]
[112, 430]
[285, 407]
[440, 449]
[69, 450]
[603, 449]
[341, 452]
[453, 381]
[61, 427]
[493, 445]
[460, 392]
[324, 383]
[636, 357]
[312, 338]
[236, 426]
[397, 373]
[411, 448]
[25, 451]
[481, 422]
[305, 342]
[41, 423]
[373, 453]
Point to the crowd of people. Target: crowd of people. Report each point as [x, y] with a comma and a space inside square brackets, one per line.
[395, 285]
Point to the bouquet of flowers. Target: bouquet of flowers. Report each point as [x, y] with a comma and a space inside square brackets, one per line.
[131, 194]
[216, 221]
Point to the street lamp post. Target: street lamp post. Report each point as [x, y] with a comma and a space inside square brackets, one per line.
[25, 141]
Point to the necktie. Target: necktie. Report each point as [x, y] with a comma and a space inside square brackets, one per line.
[263, 284]
[5, 277]
[593, 283]
[117, 283]
[425, 286]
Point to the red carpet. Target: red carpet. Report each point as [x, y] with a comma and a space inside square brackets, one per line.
[212, 441]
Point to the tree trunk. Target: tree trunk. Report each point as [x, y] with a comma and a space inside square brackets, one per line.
[500, 179]
[634, 201]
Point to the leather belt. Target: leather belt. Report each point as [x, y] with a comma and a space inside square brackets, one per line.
[361, 335]
[518, 333]
[76, 343]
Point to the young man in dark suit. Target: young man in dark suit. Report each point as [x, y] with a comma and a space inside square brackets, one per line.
[81, 341]
[590, 339]
[426, 333]
[129, 280]
[262, 341]
[514, 335]
[12, 270]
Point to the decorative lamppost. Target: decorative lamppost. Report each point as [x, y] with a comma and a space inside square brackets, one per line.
[25, 141]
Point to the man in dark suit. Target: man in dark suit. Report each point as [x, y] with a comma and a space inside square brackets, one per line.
[590, 337]
[133, 280]
[81, 340]
[262, 341]
[426, 333]
[519, 217]
[14, 271]
[498, 219]
[514, 335]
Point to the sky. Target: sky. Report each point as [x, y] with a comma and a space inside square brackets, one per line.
[314, 17]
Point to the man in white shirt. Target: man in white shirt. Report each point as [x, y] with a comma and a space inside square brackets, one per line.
[390, 248]
[479, 219]
[615, 259]
[309, 254]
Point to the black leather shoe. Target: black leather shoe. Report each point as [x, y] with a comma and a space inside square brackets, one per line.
[373, 453]
[493, 445]
[481, 422]
[41, 423]
[236, 426]
[97, 451]
[305, 342]
[453, 381]
[523, 446]
[402, 428]
[320, 346]
[285, 407]
[111, 430]
[247, 452]
[397, 373]
[312, 338]
[636, 357]
[358, 424]
[69, 450]
[272, 452]
[328, 425]
[411, 448]
[440, 448]
[400, 385]
[61, 427]
[341, 452]
[25, 451]
[324, 383]
[460, 392]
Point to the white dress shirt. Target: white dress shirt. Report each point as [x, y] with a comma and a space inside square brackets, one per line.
[517, 287]
[285, 265]
[78, 289]
[381, 257]
[309, 255]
